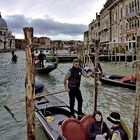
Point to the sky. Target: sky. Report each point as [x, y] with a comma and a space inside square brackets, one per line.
[56, 19]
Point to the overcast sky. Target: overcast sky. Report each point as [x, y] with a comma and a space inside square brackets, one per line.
[57, 19]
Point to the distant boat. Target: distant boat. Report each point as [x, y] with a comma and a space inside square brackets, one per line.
[114, 80]
[14, 58]
[46, 70]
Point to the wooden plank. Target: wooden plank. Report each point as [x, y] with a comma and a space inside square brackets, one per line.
[137, 98]
[30, 84]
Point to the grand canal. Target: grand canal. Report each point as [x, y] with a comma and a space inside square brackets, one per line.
[12, 77]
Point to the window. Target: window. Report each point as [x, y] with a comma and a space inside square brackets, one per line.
[121, 13]
[130, 8]
[126, 25]
[138, 23]
[126, 12]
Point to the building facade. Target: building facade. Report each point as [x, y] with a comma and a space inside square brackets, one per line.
[119, 24]
[7, 40]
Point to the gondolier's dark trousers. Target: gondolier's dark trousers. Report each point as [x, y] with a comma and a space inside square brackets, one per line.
[75, 93]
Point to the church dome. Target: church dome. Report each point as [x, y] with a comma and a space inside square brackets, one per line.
[3, 23]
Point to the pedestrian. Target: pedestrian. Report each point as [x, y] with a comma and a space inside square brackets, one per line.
[120, 130]
[72, 86]
[98, 129]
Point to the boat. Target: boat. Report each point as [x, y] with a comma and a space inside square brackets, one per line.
[114, 80]
[47, 69]
[14, 59]
[55, 117]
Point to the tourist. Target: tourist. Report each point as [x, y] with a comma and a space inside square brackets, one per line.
[119, 127]
[98, 130]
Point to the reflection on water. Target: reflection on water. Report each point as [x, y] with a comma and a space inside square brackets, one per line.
[12, 88]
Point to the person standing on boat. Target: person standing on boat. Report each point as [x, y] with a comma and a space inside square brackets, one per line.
[41, 58]
[14, 57]
[72, 86]
[119, 127]
[98, 129]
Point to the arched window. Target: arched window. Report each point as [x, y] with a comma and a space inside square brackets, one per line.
[132, 23]
[121, 13]
[138, 23]
[126, 11]
[138, 5]
[135, 23]
[126, 26]
[130, 8]
[135, 4]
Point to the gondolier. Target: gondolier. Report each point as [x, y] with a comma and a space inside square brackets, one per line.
[72, 86]
[41, 58]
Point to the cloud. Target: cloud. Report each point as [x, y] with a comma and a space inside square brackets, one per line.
[44, 26]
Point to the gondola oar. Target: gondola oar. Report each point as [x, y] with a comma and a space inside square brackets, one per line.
[37, 97]
[46, 94]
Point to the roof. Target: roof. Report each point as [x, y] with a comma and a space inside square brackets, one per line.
[108, 3]
[2, 22]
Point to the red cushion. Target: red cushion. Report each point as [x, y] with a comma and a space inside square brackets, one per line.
[72, 129]
[86, 121]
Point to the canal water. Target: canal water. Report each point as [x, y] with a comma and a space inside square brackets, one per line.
[12, 78]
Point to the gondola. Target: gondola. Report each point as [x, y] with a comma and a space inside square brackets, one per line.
[55, 117]
[14, 59]
[114, 80]
[47, 69]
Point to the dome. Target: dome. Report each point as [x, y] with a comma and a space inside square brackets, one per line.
[2, 22]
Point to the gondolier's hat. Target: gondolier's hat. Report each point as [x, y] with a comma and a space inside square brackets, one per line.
[114, 118]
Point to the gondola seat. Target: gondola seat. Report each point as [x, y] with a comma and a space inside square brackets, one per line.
[86, 121]
[73, 129]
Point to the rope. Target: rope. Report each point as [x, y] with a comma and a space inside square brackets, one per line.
[89, 61]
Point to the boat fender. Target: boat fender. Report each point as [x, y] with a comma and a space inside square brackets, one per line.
[39, 86]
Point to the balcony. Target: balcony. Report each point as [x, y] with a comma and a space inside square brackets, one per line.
[133, 14]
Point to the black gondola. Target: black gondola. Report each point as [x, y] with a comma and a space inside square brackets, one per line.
[55, 117]
[47, 69]
[51, 112]
[14, 58]
[114, 81]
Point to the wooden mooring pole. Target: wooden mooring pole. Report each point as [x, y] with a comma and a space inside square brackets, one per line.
[95, 63]
[137, 100]
[30, 84]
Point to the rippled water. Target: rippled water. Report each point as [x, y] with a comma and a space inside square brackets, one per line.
[12, 88]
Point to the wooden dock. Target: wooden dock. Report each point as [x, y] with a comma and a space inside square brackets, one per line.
[69, 58]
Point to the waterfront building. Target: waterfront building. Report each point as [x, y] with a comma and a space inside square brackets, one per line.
[104, 28]
[7, 40]
[119, 26]
[41, 42]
